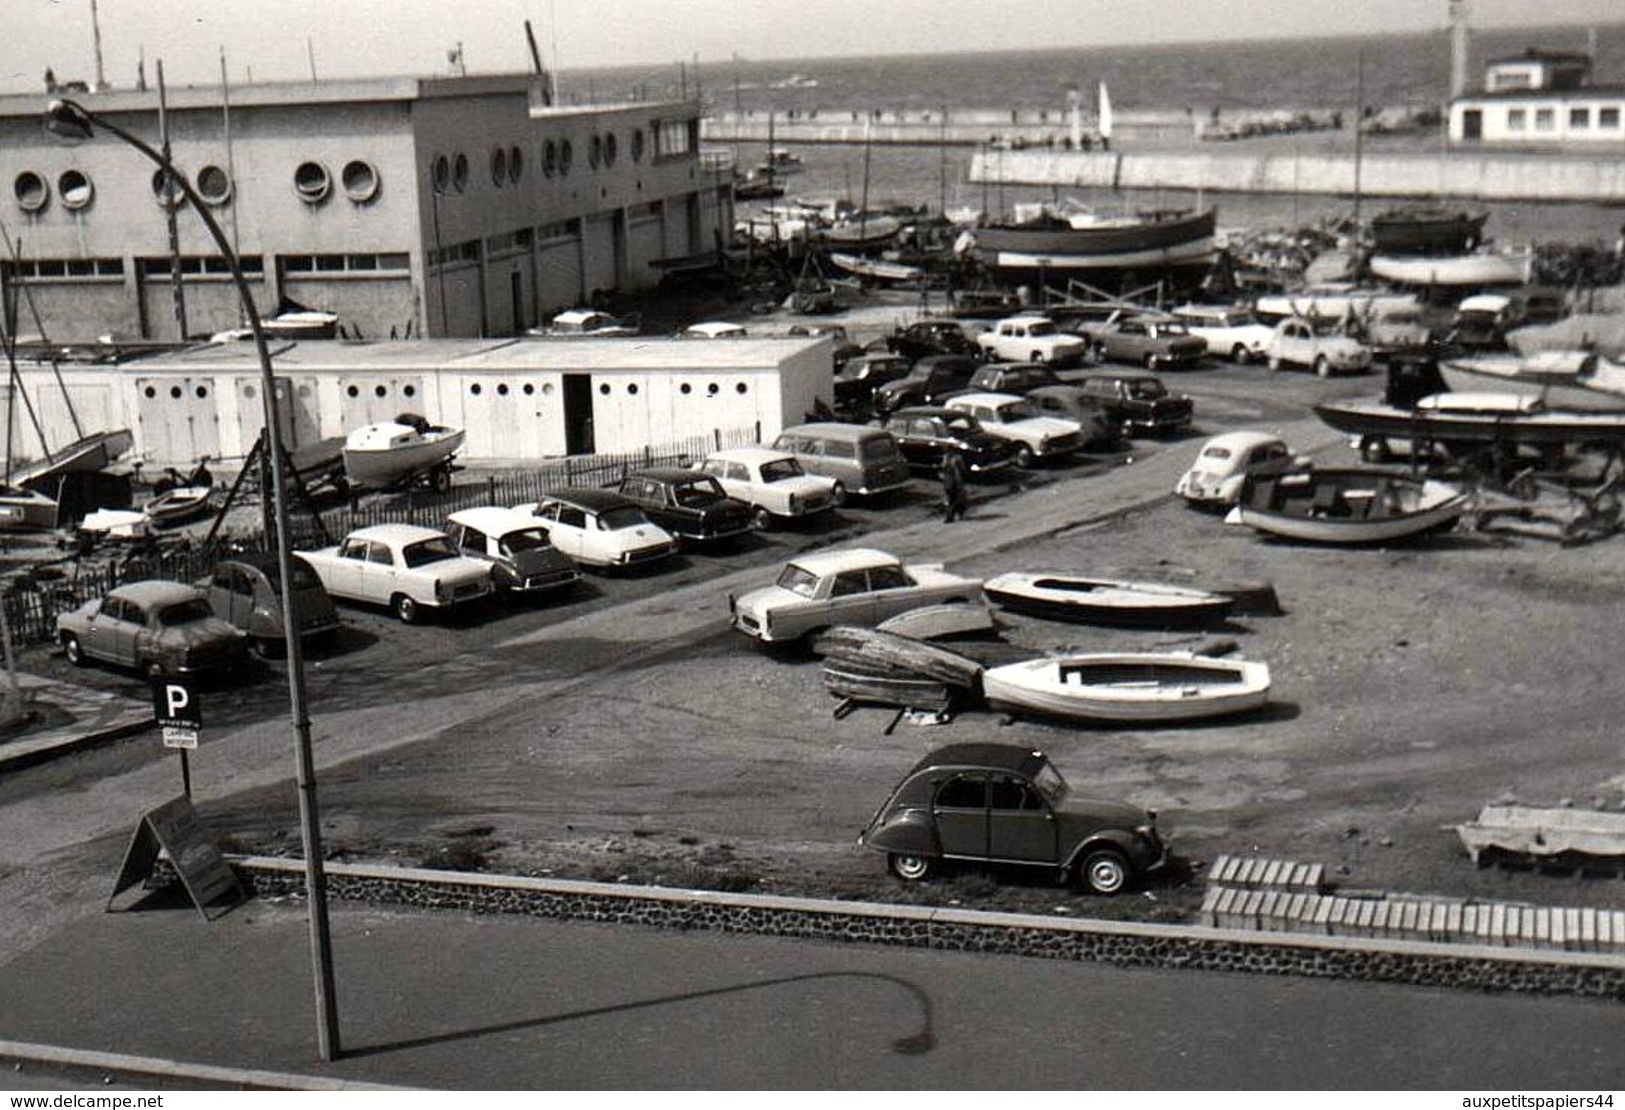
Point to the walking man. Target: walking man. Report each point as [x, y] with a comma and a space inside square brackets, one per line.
[954, 495]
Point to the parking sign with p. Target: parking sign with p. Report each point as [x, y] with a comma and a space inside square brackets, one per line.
[176, 709]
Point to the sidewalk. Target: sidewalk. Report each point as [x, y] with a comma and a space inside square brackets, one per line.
[66, 716]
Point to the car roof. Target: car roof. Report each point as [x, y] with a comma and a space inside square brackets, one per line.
[395, 533]
[263, 561]
[749, 454]
[941, 411]
[493, 519]
[155, 591]
[593, 500]
[994, 399]
[852, 558]
[715, 328]
[1005, 757]
[1242, 440]
[669, 474]
[833, 428]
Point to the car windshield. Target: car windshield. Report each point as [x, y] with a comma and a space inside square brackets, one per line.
[523, 539]
[424, 552]
[184, 612]
[698, 492]
[1050, 784]
[798, 580]
[1147, 389]
[622, 516]
[780, 469]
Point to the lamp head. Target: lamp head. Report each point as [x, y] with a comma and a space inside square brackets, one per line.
[67, 120]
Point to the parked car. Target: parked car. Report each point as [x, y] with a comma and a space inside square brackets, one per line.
[927, 382]
[1071, 402]
[1228, 330]
[586, 322]
[1136, 401]
[246, 592]
[1011, 377]
[860, 586]
[1155, 342]
[158, 628]
[772, 482]
[924, 434]
[1224, 463]
[1320, 345]
[600, 528]
[857, 378]
[931, 337]
[409, 568]
[861, 459]
[1001, 803]
[1031, 339]
[1017, 419]
[519, 551]
[690, 505]
[1393, 331]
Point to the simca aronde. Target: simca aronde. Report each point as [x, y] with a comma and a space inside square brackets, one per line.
[772, 481]
[999, 803]
[403, 566]
[155, 627]
[855, 587]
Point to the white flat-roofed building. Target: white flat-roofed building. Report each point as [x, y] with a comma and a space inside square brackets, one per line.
[412, 207]
[1541, 99]
[516, 399]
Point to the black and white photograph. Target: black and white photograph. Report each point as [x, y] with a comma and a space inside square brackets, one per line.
[809, 546]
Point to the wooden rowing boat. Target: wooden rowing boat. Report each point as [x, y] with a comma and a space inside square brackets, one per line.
[1352, 505]
[1128, 687]
[1071, 597]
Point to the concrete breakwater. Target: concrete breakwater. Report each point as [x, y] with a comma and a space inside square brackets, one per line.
[1459, 175]
[934, 127]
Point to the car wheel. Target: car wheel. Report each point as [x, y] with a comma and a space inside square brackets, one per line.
[441, 479]
[405, 608]
[761, 520]
[73, 649]
[1037, 356]
[1239, 355]
[911, 869]
[1150, 362]
[839, 493]
[1323, 367]
[1275, 363]
[1104, 871]
[1024, 457]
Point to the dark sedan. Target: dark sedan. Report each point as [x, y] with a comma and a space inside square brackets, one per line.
[931, 337]
[687, 503]
[925, 434]
[1000, 803]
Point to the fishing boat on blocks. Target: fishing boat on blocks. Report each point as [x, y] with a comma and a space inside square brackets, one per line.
[1071, 597]
[1351, 505]
[1128, 687]
[1082, 244]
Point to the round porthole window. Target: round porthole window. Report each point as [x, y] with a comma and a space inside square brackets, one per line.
[360, 180]
[516, 164]
[499, 167]
[379, 391]
[547, 389]
[167, 191]
[609, 149]
[637, 144]
[202, 391]
[150, 392]
[476, 389]
[550, 158]
[311, 182]
[604, 389]
[459, 173]
[353, 391]
[565, 155]
[685, 389]
[175, 392]
[741, 388]
[75, 188]
[632, 389]
[31, 190]
[711, 390]
[409, 390]
[502, 389]
[529, 389]
[213, 185]
[442, 174]
[250, 392]
[595, 151]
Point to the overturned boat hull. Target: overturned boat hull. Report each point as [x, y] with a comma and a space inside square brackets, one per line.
[1106, 600]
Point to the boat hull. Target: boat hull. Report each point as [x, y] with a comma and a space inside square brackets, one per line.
[90, 453]
[391, 465]
[1106, 601]
[1428, 231]
[1128, 687]
[1349, 507]
[1461, 269]
[1573, 383]
[1113, 245]
[1543, 427]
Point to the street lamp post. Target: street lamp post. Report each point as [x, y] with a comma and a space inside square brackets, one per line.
[71, 120]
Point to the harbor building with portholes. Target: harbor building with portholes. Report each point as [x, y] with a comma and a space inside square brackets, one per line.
[408, 207]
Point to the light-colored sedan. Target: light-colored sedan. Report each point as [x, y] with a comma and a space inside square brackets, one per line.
[1229, 331]
[1018, 419]
[406, 567]
[155, 627]
[773, 481]
[1224, 463]
[600, 528]
[861, 587]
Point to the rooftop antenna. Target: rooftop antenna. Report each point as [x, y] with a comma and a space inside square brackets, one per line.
[536, 64]
[310, 56]
[96, 34]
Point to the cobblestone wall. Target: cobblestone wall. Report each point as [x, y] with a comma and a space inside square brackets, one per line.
[1121, 944]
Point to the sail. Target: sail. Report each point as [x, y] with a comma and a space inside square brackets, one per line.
[1105, 113]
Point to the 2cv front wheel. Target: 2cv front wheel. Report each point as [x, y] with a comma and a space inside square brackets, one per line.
[910, 869]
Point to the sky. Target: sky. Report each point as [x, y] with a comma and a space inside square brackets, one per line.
[275, 40]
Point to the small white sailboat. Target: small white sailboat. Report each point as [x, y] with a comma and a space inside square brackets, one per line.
[392, 452]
